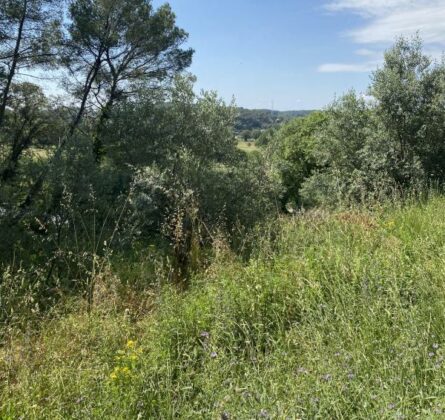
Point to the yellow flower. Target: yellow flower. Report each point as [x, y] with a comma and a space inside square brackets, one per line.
[125, 370]
[131, 344]
[390, 224]
[113, 376]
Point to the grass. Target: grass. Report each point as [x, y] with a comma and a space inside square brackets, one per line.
[340, 316]
[247, 146]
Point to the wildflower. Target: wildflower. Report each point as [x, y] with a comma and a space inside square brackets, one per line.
[213, 354]
[391, 406]
[205, 334]
[431, 354]
[351, 376]
[435, 346]
[264, 414]
[113, 376]
[315, 400]
[327, 377]
[246, 394]
[131, 344]
[125, 370]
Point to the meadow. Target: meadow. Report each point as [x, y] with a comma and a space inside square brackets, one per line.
[337, 314]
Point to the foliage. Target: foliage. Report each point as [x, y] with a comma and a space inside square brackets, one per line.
[29, 35]
[120, 46]
[292, 148]
[193, 155]
[368, 149]
[409, 90]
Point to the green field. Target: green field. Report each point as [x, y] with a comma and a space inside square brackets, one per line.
[342, 315]
[247, 146]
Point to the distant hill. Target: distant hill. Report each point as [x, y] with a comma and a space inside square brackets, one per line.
[262, 119]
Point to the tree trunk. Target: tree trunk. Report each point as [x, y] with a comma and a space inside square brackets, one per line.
[19, 145]
[15, 60]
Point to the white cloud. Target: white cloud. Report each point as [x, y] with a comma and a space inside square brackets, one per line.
[385, 20]
[347, 68]
[429, 21]
[366, 53]
[371, 7]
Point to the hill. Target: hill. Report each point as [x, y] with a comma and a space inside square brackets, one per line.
[261, 119]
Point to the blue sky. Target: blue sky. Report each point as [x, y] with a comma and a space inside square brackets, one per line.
[298, 54]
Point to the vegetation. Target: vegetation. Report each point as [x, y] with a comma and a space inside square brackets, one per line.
[251, 123]
[150, 267]
[360, 150]
[340, 315]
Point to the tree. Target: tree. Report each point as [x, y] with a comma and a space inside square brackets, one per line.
[184, 154]
[292, 149]
[26, 121]
[352, 157]
[29, 34]
[409, 90]
[120, 45]
[117, 47]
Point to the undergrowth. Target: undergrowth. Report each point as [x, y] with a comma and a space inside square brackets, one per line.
[339, 315]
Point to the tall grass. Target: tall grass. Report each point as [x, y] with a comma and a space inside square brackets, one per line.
[339, 315]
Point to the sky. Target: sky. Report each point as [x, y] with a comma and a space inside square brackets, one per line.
[299, 54]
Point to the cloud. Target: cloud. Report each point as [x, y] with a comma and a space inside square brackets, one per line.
[428, 21]
[365, 52]
[385, 20]
[371, 7]
[347, 68]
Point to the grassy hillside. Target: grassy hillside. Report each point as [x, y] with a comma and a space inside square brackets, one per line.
[338, 316]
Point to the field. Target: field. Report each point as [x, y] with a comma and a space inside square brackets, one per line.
[338, 315]
[247, 146]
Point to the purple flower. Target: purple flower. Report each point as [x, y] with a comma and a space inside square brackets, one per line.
[351, 376]
[204, 334]
[315, 400]
[264, 414]
[327, 377]
[246, 394]
[213, 354]
[391, 406]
